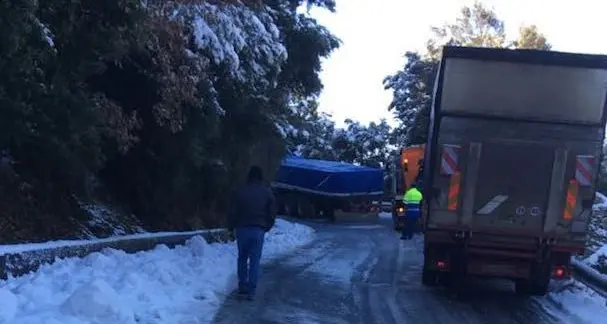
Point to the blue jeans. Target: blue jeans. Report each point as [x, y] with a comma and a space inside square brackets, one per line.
[410, 223]
[250, 244]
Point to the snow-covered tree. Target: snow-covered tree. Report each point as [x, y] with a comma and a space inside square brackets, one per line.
[368, 145]
[412, 87]
[311, 132]
[160, 105]
[531, 38]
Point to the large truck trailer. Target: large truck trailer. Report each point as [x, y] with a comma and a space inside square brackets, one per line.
[330, 190]
[511, 164]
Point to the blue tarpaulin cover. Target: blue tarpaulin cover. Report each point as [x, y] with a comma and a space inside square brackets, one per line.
[329, 177]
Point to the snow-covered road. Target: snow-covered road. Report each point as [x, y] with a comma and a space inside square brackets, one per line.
[333, 274]
[365, 274]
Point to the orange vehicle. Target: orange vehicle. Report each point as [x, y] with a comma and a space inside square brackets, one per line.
[408, 167]
[412, 158]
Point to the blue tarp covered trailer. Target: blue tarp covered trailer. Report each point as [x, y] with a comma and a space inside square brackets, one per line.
[328, 178]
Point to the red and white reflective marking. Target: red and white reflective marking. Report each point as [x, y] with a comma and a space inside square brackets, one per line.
[449, 160]
[584, 167]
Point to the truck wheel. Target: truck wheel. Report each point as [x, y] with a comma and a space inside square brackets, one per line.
[445, 279]
[292, 207]
[539, 289]
[522, 287]
[429, 277]
[536, 286]
[307, 208]
[329, 214]
[527, 288]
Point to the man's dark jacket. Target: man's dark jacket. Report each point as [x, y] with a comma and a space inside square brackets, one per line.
[252, 205]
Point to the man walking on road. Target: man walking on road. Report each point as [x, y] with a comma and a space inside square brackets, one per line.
[412, 200]
[252, 214]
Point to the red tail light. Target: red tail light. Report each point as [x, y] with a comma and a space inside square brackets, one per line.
[561, 272]
[441, 264]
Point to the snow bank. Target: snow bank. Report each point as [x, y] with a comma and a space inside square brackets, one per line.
[594, 257]
[581, 302]
[182, 285]
[28, 247]
[597, 238]
[601, 201]
[8, 306]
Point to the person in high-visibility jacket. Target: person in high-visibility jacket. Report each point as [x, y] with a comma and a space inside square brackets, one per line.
[412, 199]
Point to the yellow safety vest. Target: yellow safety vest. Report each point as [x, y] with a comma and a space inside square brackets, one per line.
[412, 199]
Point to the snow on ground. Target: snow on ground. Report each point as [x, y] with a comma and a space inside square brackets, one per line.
[601, 201]
[18, 248]
[597, 236]
[385, 215]
[102, 216]
[186, 284]
[580, 302]
[574, 297]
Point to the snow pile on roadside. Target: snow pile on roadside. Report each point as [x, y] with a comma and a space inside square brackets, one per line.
[601, 201]
[186, 284]
[598, 260]
[581, 302]
[597, 236]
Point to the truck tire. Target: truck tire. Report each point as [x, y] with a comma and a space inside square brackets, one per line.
[456, 278]
[292, 206]
[539, 289]
[445, 279]
[307, 208]
[522, 287]
[329, 214]
[429, 277]
[529, 288]
[537, 285]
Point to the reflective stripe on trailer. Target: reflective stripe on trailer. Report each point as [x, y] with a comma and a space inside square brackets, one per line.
[584, 167]
[492, 204]
[571, 200]
[453, 191]
[449, 159]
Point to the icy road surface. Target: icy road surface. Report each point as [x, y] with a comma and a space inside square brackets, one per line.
[365, 274]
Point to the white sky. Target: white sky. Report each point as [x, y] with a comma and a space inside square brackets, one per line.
[376, 34]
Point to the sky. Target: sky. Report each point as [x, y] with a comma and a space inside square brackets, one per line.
[376, 34]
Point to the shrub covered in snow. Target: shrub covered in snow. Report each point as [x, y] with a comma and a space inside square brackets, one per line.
[156, 106]
[317, 137]
[186, 284]
[597, 236]
[477, 25]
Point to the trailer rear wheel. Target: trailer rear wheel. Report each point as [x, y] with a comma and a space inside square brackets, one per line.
[429, 277]
[445, 279]
[529, 288]
[329, 214]
[307, 208]
[537, 285]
